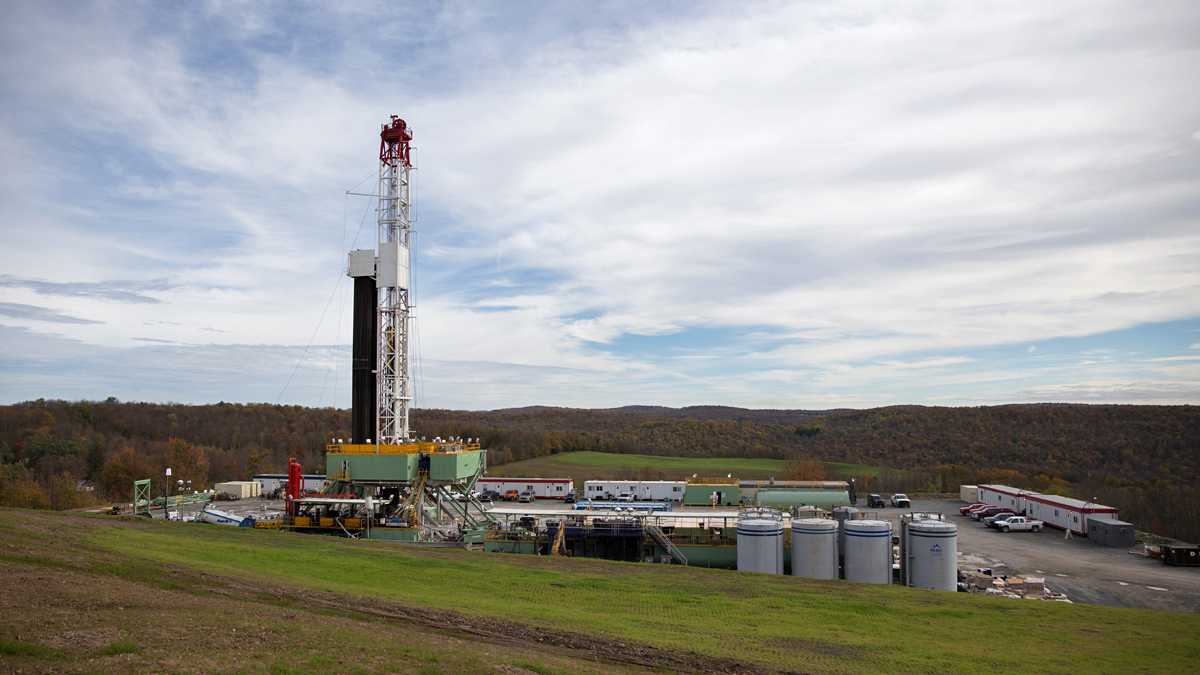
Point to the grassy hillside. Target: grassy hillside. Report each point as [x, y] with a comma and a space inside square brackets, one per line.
[313, 603]
[606, 465]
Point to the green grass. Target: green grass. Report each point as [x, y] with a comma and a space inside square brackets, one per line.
[587, 465]
[20, 648]
[120, 647]
[779, 622]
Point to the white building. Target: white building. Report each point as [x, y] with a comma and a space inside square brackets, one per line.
[641, 490]
[541, 488]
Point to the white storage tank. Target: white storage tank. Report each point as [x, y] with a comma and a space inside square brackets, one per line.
[760, 544]
[867, 556]
[931, 549]
[814, 548]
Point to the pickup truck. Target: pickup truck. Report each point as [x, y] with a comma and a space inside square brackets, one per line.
[511, 495]
[525, 497]
[874, 501]
[1005, 514]
[901, 501]
[1019, 524]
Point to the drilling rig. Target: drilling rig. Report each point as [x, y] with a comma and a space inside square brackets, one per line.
[386, 483]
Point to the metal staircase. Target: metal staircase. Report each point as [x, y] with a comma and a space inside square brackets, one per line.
[667, 545]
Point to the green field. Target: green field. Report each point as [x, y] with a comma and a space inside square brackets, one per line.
[293, 602]
[587, 465]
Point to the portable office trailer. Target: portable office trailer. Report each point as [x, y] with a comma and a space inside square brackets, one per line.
[541, 488]
[1004, 495]
[968, 493]
[1065, 513]
[1111, 532]
[642, 490]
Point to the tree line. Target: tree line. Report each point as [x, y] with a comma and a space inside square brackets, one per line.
[1138, 458]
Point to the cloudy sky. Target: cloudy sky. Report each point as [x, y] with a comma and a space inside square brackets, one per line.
[797, 205]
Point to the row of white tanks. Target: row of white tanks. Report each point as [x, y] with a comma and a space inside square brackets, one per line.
[929, 549]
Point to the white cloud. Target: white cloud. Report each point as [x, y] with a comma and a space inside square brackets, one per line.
[869, 191]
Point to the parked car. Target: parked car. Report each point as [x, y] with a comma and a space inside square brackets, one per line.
[485, 496]
[962, 510]
[875, 501]
[625, 497]
[1021, 524]
[989, 511]
[570, 498]
[977, 508]
[525, 497]
[511, 495]
[901, 501]
[999, 515]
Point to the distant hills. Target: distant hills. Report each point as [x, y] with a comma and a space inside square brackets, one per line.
[1141, 458]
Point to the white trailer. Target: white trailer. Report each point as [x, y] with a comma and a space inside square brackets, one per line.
[1066, 513]
[1004, 495]
[540, 488]
[639, 490]
[968, 493]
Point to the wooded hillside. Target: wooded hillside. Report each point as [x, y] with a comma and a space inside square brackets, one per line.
[1143, 459]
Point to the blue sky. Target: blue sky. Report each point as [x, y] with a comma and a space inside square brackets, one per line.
[789, 205]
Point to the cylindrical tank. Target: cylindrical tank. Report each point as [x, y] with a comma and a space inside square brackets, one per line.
[931, 549]
[841, 514]
[867, 557]
[760, 545]
[814, 548]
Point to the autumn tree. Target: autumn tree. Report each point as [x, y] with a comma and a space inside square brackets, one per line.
[119, 472]
[188, 463]
[19, 490]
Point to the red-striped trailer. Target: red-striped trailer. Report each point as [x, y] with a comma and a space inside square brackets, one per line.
[1004, 495]
[540, 488]
[1066, 513]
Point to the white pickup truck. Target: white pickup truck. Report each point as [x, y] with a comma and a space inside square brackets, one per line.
[901, 501]
[1019, 524]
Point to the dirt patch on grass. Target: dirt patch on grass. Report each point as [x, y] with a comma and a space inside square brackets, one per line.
[817, 647]
[490, 630]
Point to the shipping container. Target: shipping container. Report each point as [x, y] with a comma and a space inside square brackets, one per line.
[712, 494]
[1111, 532]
